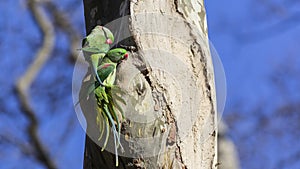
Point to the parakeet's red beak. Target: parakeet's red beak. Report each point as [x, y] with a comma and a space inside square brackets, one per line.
[126, 56]
[108, 41]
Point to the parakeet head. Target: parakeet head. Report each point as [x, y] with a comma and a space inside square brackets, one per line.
[98, 41]
[117, 54]
[108, 34]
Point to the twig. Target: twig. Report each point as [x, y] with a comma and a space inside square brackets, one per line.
[284, 25]
[64, 23]
[61, 20]
[291, 160]
[26, 80]
[24, 148]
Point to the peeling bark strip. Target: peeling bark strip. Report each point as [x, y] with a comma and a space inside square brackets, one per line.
[179, 133]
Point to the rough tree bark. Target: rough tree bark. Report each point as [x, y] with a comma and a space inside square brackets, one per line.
[158, 91]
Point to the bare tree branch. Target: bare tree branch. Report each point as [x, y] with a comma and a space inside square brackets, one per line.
[24, 148]
[61, 19]
[24, 83]
[289, 161]
[282, 26]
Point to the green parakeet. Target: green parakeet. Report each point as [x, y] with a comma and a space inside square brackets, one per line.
[109, 112]
[95, 46]
[103, 63]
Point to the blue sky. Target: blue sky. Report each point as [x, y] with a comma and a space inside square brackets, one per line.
[256, 40]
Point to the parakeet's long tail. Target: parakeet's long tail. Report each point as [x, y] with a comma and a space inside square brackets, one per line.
[110, 115]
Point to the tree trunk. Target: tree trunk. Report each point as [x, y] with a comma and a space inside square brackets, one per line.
[171, 111]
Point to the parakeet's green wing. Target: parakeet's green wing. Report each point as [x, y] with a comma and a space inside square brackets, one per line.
[95, 46]
[105, 70]
[95, 60]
